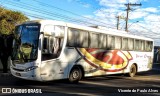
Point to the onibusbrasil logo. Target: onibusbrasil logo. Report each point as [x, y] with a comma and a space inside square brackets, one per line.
[18, 90]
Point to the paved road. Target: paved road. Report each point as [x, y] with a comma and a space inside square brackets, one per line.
[146, 84]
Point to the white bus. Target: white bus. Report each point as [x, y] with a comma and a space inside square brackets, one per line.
[47, 50]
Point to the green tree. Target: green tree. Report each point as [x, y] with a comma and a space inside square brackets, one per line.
[8, 20]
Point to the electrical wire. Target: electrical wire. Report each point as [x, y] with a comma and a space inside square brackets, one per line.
[45, 12]
[50, 14]
[47, 5]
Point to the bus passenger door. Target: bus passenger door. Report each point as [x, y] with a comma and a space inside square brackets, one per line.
[51, 66]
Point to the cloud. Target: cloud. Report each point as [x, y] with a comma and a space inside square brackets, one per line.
[147, 28]
[86, 5]
[117, 7]
[133, 1]
[149, 20]
[151, 9]
[88, 16]
[106, 12]
[152, 18]
[113, 3]
[117, 3]
[137, 14]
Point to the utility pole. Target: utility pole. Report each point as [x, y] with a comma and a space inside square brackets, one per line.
[118, 19]
[128, 9]
[117, 22]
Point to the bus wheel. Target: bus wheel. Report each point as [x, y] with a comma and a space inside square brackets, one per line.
[133, 71]
[75, 75]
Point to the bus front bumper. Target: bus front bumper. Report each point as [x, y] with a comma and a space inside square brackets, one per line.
[28, 75]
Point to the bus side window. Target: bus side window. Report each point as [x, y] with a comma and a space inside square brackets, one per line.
[102, 41]
[45, 43]
[52, 43]
[149, 45]
[56, 46]
[51, 47]
[94, 40]
[142, 46]
[125, 43]
[136, 45]
[111, 42]
[47, 29]
[118, 43]
[131, 44]
[82, 40]
[72, 37]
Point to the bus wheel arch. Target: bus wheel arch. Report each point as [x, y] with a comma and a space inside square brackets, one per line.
[133, 70]
[76, 74]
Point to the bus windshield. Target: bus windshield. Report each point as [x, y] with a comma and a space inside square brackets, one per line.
[25, 45]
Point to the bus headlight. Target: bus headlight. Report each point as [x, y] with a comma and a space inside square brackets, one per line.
[31, 68]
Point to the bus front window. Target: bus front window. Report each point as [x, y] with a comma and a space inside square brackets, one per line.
[25, 47]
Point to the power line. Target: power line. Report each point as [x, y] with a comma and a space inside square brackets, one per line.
[95, 8]
[148, 31]
[118, 19]
[40, 17]
[48, 13]
[47, 5]
[29, 7]
[106, 16]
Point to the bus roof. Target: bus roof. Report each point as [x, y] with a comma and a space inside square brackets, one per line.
[90, 29]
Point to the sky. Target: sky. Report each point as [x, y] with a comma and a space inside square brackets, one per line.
[143, 20]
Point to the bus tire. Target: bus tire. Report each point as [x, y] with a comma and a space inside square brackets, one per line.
[75, 75]
[133, 71]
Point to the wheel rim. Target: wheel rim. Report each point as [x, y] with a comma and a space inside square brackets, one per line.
[132, 71]
[75, 74]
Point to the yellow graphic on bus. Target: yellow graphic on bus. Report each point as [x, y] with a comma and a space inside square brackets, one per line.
[113, 60]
